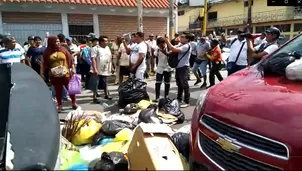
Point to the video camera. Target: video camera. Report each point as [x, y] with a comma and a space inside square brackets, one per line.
[246, 35]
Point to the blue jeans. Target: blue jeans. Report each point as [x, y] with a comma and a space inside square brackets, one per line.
[202, 66]
[65, 93]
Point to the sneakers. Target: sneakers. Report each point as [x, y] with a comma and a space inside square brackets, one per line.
[203, 85]
[184, 105]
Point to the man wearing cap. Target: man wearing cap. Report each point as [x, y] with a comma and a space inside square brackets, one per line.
[74, 49]
[238, 53]
[266, 48]
[150, 57]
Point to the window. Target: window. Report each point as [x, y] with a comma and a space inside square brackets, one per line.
[298, 27]
[283, 27]
[246, 3]
[80, 31]
[212, 16]
[232, 31]
[180, 13]
[293, 46]
[261, 29]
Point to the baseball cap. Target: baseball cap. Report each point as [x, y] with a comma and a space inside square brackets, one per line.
[69, 38]
[273, 30]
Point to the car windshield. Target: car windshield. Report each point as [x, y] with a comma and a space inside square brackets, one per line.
[293, 46]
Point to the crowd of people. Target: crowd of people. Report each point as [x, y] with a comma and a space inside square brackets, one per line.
[97, 58]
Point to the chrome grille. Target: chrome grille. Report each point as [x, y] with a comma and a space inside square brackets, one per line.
[247, 139]
[229, 160]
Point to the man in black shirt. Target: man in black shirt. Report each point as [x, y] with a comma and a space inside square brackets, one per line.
[63, 43]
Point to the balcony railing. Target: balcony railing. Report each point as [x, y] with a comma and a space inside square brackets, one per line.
[267, 16]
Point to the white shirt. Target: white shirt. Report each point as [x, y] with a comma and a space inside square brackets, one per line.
[74, 48]
[135, 51]
[270, 49]
[162, 61]
[12, 56]
[103, 59]
[124, 59]
[258, 41]
[115, 49]
[194, 48]
[234, 50]
[152, 44]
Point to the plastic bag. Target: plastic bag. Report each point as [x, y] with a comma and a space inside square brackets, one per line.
[181, 142]
[130, 109]
[99, 137]
[149, 115]
[98, 116]
[74, 85]
[294, 71]
[132, 91]
[82, 167]
[119, 146]
[114, 161]
[276, 65]
[86, 133]
[69, 158]
[123, 135]
[89, 154]
[172, 107]
[143, 104]
[111, 128]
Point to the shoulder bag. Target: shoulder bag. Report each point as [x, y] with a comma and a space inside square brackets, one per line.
[173, 58]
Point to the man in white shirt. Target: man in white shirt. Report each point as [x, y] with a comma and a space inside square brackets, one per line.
[260, 39]
[150, 60]
[138, 52]
[266, 48]
[12, 52]
[123, 62]
[74, 49]
[238, 53]
[101, 61]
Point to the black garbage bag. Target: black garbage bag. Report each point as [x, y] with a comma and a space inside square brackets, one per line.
[172, 107]
[149, 115]
[112, 127]
[99, 137]
[181, 142]
[132, 91]
[130, 109]
[277, 65]
[113, 161]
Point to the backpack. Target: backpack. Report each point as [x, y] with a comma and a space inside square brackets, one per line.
[173, 58]
[86, 55]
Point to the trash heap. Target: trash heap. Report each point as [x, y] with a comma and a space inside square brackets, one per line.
[137, 138]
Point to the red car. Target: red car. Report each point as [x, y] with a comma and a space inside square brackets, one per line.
[249, 121]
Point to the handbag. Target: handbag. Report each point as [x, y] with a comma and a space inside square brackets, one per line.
[59, 71]
[232, 66]
[173, 58]
[74, 85]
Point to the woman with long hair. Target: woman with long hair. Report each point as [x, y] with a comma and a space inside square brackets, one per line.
[58, 62]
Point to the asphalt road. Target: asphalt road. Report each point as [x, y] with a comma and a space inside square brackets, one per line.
[85, 99]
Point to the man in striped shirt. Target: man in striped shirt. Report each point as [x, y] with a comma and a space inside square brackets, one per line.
[11, 52]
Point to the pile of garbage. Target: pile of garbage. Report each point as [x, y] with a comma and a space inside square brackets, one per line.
[138, 138]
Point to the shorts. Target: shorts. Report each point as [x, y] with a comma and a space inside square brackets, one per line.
[202, 66]
[97, 82]
[124, 70]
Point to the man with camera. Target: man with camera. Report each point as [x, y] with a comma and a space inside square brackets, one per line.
[238, 53]
[266, 48]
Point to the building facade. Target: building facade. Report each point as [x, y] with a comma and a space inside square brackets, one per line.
[229, 15]
[76, 18]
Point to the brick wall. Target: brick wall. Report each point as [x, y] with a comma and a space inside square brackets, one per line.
[31, 17]
[80, 19]
[113, 26]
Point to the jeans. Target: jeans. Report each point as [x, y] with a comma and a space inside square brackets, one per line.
[166, 76]
[182, 76]
[203, 67]
[64, 92]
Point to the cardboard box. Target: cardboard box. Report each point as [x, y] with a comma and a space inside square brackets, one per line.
[151, 148]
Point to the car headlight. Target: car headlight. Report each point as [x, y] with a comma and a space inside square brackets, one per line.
[201, 101]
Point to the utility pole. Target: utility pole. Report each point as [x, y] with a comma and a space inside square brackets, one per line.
[139, 15]
[249, 16]
[205, 18]
[171, 19]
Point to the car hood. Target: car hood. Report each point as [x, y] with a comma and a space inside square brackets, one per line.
[269, 106]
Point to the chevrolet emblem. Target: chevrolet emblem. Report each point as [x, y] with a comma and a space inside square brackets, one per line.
[228, 145]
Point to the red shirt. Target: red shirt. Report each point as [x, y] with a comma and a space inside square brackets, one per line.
[82, 46]
[216, 54]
